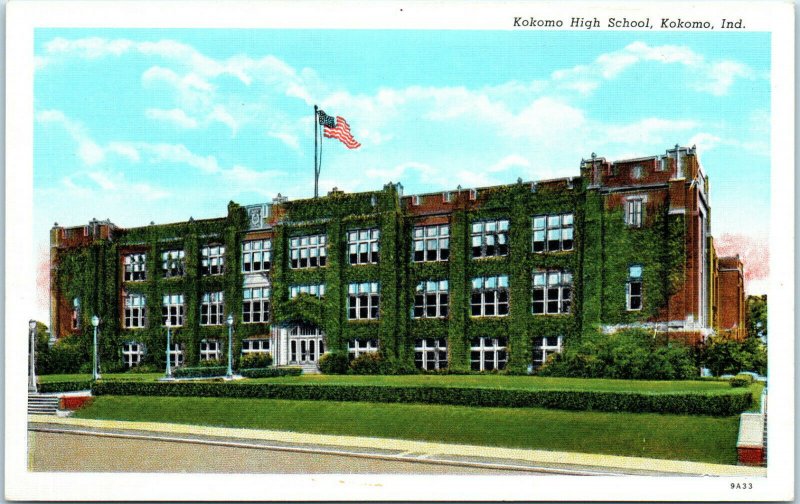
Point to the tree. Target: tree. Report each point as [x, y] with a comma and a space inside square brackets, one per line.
[756, 317]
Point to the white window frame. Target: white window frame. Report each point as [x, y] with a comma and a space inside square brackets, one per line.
[214, 304]
[494, 287]
[492, 354]
[135, 311]
[490, 238]
[363, 301]
[431, 243]
[256, 346]
[430, 354]
[634, 212]
[210, 349]
[316, 290]
[553, 233]
[177, 355]
[132, 353]
[256, 255]
[308, 251]
[545, 346]
[212, 260]
[135, 267]
[173, 309]
[255, 304]
[635, 274]
[360, 346]
[555, 289]
[173, 263]
[431, 299]
[363, 246]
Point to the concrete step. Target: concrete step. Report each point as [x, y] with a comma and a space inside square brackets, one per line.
[42, 405]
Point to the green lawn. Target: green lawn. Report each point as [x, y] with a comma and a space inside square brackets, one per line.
[680, 437]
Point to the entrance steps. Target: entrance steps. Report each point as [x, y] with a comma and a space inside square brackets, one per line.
[42, 404]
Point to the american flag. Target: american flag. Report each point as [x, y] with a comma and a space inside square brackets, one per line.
[339, 131]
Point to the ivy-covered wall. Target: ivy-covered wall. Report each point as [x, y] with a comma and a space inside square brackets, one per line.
[604, 248]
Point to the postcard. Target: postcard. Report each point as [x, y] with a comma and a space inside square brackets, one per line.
[399, 251]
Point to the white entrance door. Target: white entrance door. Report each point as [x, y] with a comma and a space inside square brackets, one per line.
[306, 344]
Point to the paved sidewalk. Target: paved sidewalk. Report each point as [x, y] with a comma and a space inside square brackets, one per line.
[418, 449]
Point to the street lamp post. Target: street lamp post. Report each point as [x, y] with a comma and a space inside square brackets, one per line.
[229, 374]
[95, 364]
[32, 363]
[169, 343]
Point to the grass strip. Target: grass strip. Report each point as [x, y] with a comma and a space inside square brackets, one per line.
[677, 437]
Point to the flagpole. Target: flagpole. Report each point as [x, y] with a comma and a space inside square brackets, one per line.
[316, 169]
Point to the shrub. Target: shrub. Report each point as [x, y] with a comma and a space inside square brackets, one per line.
[725, 403]
[213, 363]
[370, 363]
[270, 372]
[727, 356]
[200, 372]
[65, 357]
[145, 368]
[333, 363]
[256, 360]
[742, 380]
[626, 354]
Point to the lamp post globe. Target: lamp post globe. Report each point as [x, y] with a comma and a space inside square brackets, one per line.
[229, 373]
[32, 357]
[95, 371]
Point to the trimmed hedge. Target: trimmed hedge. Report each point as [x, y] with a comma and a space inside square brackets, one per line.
[65, 386]
[742, 380]
[270, 372]
[200, 372]
[717, 404]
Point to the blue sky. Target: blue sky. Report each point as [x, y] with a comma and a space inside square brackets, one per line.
[160, 125]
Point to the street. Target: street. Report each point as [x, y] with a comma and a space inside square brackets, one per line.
[65, 451]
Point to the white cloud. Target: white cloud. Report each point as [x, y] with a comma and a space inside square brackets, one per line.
[289, 139]
[174, 116]
[714, 77]
[509, 162]
[178, 153]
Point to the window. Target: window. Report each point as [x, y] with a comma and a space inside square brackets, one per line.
[256, 346]
[132, 353]
[172, 310]
[134, 311]
[487, 354]
[430, 354]
[431, 299]
[213, 260]
[543, 348]
[255, 305]
[256, 256]
[314, 290]
[633, 212]
[173, 263]
[490, 238]
[176, 354]
[76, 313]
[134, 267]
[363, 301]
[362, 245]
[431, 243]
[552, 292]
[357, 347]
[634, 288]
[307, 251]
[209, 350]
[490, 296]
[552, 233]
[212, 309]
